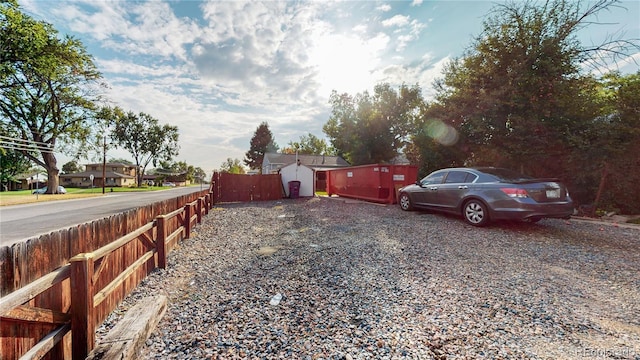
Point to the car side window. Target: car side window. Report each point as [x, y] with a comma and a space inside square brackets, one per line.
[433, 179]
[456, 177]
[470, 178]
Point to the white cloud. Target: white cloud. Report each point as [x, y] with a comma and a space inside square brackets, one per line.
[257, 50]
[423, 73]
[345, 63]
[147, 28]
[396, 20]
[384, 7]
[220, 73]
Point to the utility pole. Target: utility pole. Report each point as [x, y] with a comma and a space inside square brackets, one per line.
[104, 160]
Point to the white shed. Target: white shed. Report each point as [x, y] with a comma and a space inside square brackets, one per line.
[302, 173]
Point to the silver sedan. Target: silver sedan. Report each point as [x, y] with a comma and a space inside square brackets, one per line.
[483, 194]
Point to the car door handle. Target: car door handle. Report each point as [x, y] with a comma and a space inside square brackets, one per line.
[462, 187]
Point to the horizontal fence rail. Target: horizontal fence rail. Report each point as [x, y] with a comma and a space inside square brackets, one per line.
[50, 296]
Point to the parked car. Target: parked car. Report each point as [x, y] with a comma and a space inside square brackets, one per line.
[42, 190]
[168, 184]
[484, 194]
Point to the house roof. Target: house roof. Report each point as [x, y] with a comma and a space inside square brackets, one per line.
[96, 174]
[112, 164]
[313, 161]
[31, 176]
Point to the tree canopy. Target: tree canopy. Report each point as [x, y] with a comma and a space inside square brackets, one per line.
[47, 88]
[520, 97]
[147, 141]
[367, 129]
[71, 167]
[310, 145]
[174, 168]
[232, 166]
[261, 143]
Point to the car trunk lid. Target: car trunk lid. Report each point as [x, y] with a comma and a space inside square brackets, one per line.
[546, 191]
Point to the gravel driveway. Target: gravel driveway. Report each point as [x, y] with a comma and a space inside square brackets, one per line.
[364, 281]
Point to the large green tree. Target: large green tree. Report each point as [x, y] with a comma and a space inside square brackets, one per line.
[47, 87]
[174, 168]
[605, 161]
[12, 163]
[366, 129]
[71, 167]
[232, 166]
[261, 143]
[143, 137]
[519, 89]
[309, 144]
[520, 96]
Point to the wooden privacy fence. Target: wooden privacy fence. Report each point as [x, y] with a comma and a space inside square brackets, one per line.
[52, 302]
[241, 188]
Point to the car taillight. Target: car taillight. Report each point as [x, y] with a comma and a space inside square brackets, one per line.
[515, 192]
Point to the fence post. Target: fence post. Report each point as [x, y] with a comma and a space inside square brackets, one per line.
[187, 221]
[161, 241]
[206, 203]
[199, 209]
[82, 309]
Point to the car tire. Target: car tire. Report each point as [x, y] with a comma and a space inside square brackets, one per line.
[475, 213]
[405, 202]
[533, 220]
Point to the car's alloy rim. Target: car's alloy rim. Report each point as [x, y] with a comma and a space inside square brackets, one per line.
[404, 201]
[474, 213]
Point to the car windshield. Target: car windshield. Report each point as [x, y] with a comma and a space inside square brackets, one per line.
[506, 175]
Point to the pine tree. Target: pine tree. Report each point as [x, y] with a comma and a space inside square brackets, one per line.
[261, 143]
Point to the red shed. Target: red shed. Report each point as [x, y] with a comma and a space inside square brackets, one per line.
[376, 183]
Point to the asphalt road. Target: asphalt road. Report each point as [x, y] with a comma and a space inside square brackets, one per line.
[22, 222]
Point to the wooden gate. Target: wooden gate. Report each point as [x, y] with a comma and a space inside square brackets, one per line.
[241, 188]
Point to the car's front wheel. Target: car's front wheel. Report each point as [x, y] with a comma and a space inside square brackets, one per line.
[405, 202]
[475, 213]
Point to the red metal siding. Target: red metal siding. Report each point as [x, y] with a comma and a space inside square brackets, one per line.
[376, 182]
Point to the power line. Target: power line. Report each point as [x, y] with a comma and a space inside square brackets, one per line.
[24, 140]
[24, 145]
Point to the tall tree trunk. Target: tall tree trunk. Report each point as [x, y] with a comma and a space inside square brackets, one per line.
[603, 177]
[51, 165]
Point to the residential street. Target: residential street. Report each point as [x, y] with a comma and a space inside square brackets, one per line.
[22, 222]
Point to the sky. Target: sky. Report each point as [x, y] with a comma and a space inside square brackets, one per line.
[218, 69]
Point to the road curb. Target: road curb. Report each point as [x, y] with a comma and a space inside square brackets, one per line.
[607, 223]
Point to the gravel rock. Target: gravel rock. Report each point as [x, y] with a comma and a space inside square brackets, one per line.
[364, 281]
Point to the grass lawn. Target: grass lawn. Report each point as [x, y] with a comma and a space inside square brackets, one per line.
[26, 197]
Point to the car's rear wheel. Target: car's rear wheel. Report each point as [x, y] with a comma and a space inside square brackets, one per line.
[475, 213]
[405, 202]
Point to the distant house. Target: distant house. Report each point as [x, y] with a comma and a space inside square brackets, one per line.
[116, 174]
[178, 180]
[28, 181]
[150, 179]
[273, 162]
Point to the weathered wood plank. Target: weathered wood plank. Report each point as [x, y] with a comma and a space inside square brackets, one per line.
[122, 241]
[47, 343]
[30, 291]
[102, 294]
[126, 339]
[35, 314]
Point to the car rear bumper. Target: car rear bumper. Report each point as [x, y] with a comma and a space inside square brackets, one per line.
[529, 211]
